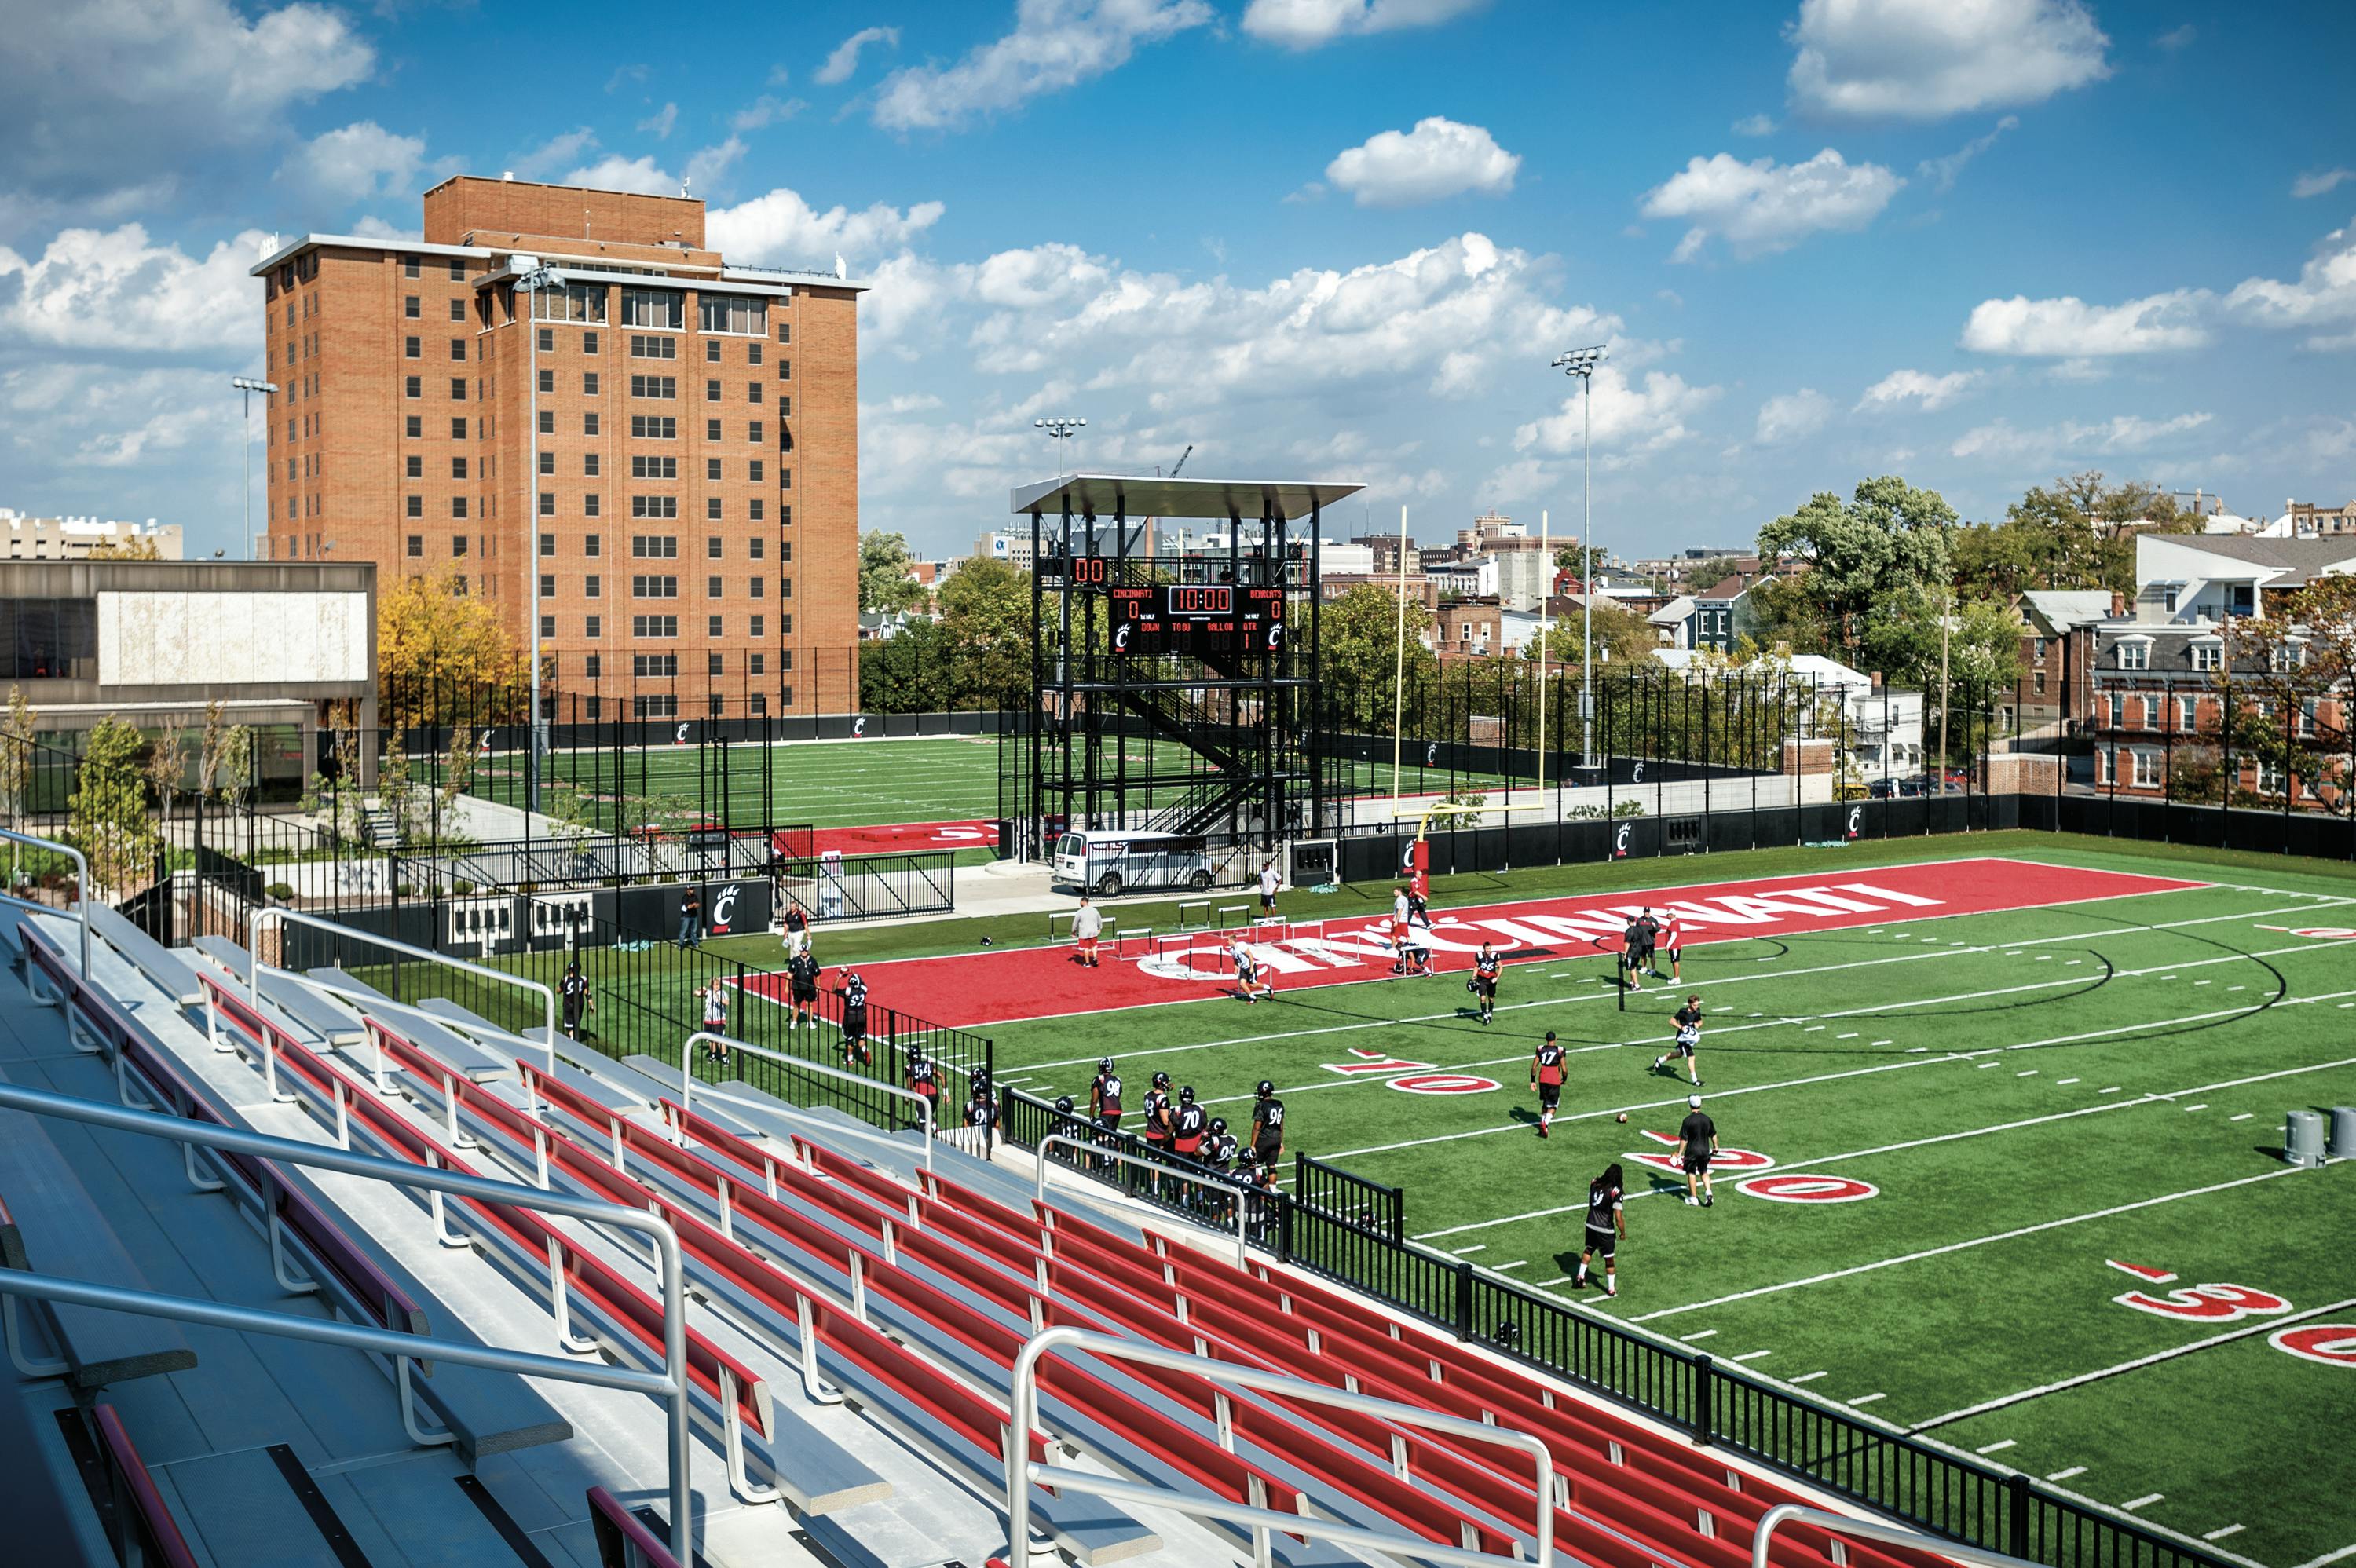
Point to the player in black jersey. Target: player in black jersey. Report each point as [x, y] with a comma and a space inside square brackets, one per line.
[1485, 980]
[853, 991]
[1631, 946]
[1700, 1136]
[980, 1115]
[801, 980]
[575, 990]
[1188, 1125]
[1219, 1147]
[1267, 1125]
[1648, 937]
[1607, 1227]
[1157, 1115]
[922, 1080]
[1546, 1080]
[1689, 1021]
[1104, 1097]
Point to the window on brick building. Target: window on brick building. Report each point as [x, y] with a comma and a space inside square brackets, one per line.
[548, 380]
[753, 352]
[409, 307]
[755, 664]
[414, 426]
[753, 510]
[457, 270]
[589, 464]
[457, 310]
[753, 432]
[594, 546]
[711, 587]
[755, 472]
[711, 627]
[651, 586]
[654, 547]
[711, 430]
[593, 666]
[644, 466]
[411, 386]
[715, 664]
[711, 507]
[409, 266]
[594, 628]
[415, 466]
[416, 546]
[589, 425]
[589, 383]
[457, 388]
[654, 506]
[593, 587]
[713, 548]
[712, 350]
[755, 547]
[457, 468]
[654, 386]
[588, 342]
[591, 505]
[755, 630]
[712, 468]
[457, 545]
[752, 391]
[547, 340]
[458, 349]
[712, 391]
[414, 505]
[759, 585]
[548, 463]
[547, 629]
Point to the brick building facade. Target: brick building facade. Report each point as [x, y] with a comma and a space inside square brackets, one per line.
[669, 444]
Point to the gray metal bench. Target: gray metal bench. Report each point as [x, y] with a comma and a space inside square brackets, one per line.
[51, 1223]
[338, 1026]
[167, 970]
[228, 955]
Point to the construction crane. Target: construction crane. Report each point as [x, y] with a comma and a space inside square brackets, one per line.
[1181, 461]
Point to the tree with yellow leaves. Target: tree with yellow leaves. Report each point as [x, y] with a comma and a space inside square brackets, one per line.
[444, 656]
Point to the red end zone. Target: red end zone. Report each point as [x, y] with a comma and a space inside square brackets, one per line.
[1003, 987]
[897, 837]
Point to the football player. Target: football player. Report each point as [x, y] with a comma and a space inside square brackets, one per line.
[1607, 1227]
[1546, 1080]
[1688, 1040]
[1485, 980]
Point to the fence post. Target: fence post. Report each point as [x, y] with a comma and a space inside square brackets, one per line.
[1464, 1301]
[1286, 1205]
[1705, 1385]
[2019, 1499]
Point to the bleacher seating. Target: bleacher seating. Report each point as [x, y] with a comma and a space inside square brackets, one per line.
[835, 1279]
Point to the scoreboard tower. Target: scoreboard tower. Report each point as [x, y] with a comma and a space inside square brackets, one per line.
[1174, 672]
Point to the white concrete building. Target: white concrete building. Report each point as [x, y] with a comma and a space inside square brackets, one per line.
[72, 539]
[2184, 580]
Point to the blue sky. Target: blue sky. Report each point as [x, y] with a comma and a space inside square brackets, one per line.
[1979, 245]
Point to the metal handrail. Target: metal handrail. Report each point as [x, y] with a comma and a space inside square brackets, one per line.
[78, 916]
[710, 1037]
[1873, 1530]
[254, 965]
[1159, 1166]
[1022, 1473]
[672, 1383]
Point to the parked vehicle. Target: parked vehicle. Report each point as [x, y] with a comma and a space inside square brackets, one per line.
[1105, 862]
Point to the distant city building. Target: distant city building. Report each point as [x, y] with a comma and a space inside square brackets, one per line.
[1014, 548]
[1386, 548]
[71, 538]
[2306, 517]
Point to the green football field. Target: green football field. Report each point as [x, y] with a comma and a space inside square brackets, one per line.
[2018, 1102]
[852, 783]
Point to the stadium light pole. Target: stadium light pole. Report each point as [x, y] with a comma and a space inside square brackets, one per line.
[249, 386]
[1581, 363]
[1060, 429]
[539, 277]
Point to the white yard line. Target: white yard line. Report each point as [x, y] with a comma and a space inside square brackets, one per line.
[1976, 1242]
[1867, 1399]
[2268, 1326]
[2065, 1475]
[1997, 1448]
[2146, 1501]
[2222, 1534]
[2345, 1551]
[1807, 1377]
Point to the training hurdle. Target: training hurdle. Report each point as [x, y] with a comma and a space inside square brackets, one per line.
[1185, 904]
[1226, 909]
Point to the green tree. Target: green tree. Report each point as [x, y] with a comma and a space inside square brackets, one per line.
[2283, 672]
[16, 756]
[986, 610]
[111, 823]
[915, 671]
[884, 585]
[1358, 652]
[2077, 532]
[1888, 539]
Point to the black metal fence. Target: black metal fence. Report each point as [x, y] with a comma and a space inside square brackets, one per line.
[1951, 1494]
[1346, 1195]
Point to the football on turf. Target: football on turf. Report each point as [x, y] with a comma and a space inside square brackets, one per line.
[1624, 1115]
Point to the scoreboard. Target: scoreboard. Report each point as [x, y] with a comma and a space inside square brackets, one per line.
[1214, 618]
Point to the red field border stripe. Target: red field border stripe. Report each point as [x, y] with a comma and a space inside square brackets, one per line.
[899, 838]
[1008, 986]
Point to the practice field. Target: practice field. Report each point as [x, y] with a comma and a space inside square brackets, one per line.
[847, 783]
[1999, 1162]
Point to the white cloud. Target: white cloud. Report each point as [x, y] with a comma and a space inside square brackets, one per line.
[1629, 421]
[1925, 60]
[845, 58]
[1056, 45]
[765, 112]
[1310, 24]
[2069, 327]
[77, 417]
[1762, 206]
[2321, 182]
[360, 162]
[104, 93]
[2176, 39]
[1927, 392]
[2323, 295]
[1791, 416]
[113, 289]
[1438, 158]
[554, 153]
[643, 176]
[661, 122]
[781, 230]
[1753, 125]
[371, 227]
[2126, 432]
[1942, 172]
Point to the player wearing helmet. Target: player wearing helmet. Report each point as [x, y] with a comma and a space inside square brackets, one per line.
[1188, 1123]
[1268, 1124]
[1607, 1227]
[1157, 1115]
[853, 991]
[1103, 1098]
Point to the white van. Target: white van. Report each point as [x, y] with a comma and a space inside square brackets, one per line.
[1105, 863]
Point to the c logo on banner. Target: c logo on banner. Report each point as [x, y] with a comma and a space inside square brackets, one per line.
[1121, 637]
[1639, 775]
[1275, 635]
[1855, 820]
[859, 727]
[1406, 857]
[679, 736]
[1431, 753]
[1620, 840]
[723, 908]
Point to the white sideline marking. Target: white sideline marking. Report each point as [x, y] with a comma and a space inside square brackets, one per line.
[1986, 1065]
[1893, 1042]
[1868, 1398]
[1690, 1339]
[1850, 1035]
[2026, 1073]
[2145, 1501]
[2329, 1557]
[1807, 1377]
[2112, 1089]
[1468, 1252]
[1736, 980]
[1997, 1448]
[1976, 1240]
[1517, 1263]
[2222, 1534]
[2242, 1117]
[2065, 1475]
[1755, 1356]
[2059, 1082]
[2268, 1326]
[2202, 1106]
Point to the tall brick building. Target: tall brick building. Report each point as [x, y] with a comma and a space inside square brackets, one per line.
[668, 442]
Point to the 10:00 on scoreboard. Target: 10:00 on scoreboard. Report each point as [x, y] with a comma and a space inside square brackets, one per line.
[1202, 618]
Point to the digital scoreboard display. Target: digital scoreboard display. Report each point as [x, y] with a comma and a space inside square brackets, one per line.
[1214, 618]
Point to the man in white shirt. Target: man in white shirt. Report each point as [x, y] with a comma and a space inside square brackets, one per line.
[1268, 882]
[1088, 926]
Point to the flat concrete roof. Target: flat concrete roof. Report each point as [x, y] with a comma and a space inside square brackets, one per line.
[1150, 495]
